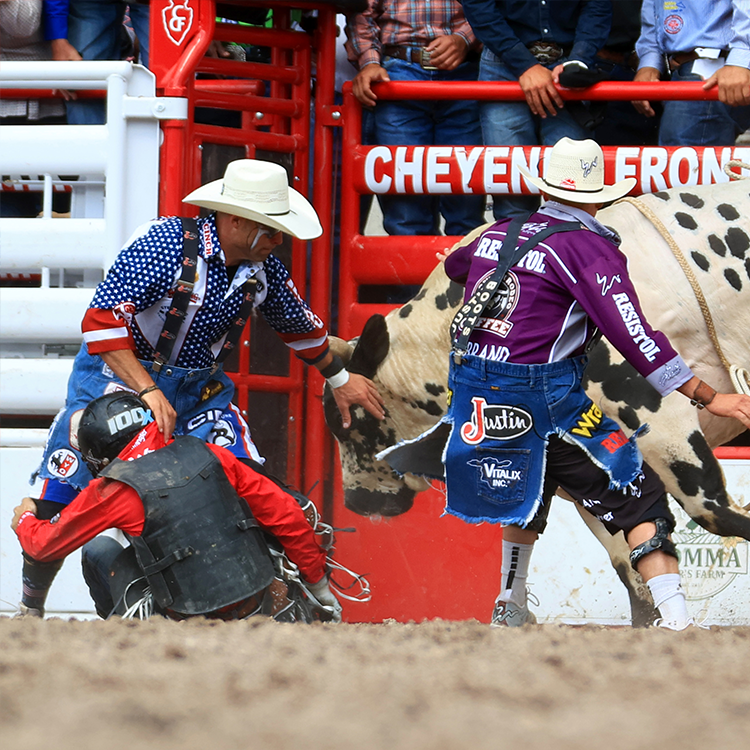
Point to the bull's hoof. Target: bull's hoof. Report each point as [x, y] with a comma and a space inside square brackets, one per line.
[368, 503]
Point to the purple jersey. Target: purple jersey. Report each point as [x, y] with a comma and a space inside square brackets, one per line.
[551, 302]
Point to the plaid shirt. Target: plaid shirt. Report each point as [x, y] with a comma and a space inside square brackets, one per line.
[406, 23]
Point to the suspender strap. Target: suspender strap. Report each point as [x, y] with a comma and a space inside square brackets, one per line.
[238, 326]
[181, 299]
[509, 254]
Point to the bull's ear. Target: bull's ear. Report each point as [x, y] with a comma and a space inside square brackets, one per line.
[371, 348]
[341, 348]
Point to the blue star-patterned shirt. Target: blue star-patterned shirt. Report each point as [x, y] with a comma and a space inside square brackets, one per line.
[129, 307]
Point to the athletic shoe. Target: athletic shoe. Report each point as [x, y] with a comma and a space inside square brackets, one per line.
[672, 624]
[511, 615]
[24, 611]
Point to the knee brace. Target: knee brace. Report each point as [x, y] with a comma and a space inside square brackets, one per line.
[659, 541]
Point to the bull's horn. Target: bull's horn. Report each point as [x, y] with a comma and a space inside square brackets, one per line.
[340, 347]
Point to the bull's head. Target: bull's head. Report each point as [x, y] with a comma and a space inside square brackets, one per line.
[371, 487]
[406, 355]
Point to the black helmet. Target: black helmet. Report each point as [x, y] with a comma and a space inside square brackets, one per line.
[107, 425]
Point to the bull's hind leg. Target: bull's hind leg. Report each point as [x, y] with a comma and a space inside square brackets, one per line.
[641, 604]
[675, 447]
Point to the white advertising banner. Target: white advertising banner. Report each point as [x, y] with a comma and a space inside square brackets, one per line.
[573, 579]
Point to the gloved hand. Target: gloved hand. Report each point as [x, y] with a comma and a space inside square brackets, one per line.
[576, 75]
[326, 598]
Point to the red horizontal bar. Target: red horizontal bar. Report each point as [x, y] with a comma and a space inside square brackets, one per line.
[261, 36]
[400, 259]
[230, 86]
[510, 91]
[245, 103]
[268, 383]
[263, 71]
[260, 139]
[732, 452]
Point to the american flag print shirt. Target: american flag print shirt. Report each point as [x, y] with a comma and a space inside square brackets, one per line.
[129, 307]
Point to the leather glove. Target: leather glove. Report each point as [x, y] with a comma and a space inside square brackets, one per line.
[326, 598]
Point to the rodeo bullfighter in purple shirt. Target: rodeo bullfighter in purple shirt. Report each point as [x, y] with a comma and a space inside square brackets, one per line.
[520, 421]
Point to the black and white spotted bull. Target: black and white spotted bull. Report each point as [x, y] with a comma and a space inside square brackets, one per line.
[406, 354]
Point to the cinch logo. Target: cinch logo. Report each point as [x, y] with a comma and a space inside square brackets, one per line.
[495, 422]
[177, 19]
[588, 422]
[125, 419]
[673, 24]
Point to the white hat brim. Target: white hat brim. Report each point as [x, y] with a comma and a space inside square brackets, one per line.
[300, 221]
[607, 194]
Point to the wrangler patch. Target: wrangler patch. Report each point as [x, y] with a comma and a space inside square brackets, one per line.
[588, 421]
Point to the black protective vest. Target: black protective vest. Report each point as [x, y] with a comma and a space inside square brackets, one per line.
[200, 549]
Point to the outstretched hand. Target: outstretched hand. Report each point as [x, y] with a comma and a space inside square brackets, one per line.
[646, 75]
[358, 390]
[538, 86]
[733, 405]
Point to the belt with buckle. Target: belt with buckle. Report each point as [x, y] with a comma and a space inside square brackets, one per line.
[547, 52]
[625, 58]
[417, 55]
[680, 58]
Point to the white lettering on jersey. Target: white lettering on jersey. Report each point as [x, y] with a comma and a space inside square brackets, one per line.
[632, 321]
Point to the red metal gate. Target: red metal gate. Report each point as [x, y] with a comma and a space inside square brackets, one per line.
[420, 565]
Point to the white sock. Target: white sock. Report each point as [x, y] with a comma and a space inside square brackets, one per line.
[514, 570]
[669, 598]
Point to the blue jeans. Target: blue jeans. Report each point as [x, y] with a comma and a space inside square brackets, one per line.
[97, 561]
[201, 398]
[95, 29]
[429, 123]
[502, 416]
[700, 123]
[512, 124]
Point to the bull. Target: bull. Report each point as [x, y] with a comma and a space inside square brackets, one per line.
[689, 258]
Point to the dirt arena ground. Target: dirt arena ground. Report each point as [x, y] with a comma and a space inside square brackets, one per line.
[80, 685]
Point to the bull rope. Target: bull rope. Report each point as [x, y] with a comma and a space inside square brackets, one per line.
[739, 376]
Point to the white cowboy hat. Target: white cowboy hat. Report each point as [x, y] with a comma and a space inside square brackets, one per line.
[575, 172]
[259, 190]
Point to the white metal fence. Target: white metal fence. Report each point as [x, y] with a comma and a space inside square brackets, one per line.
[112, 172]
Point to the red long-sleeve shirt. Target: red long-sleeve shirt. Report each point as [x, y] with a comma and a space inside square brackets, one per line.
[108, 504]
